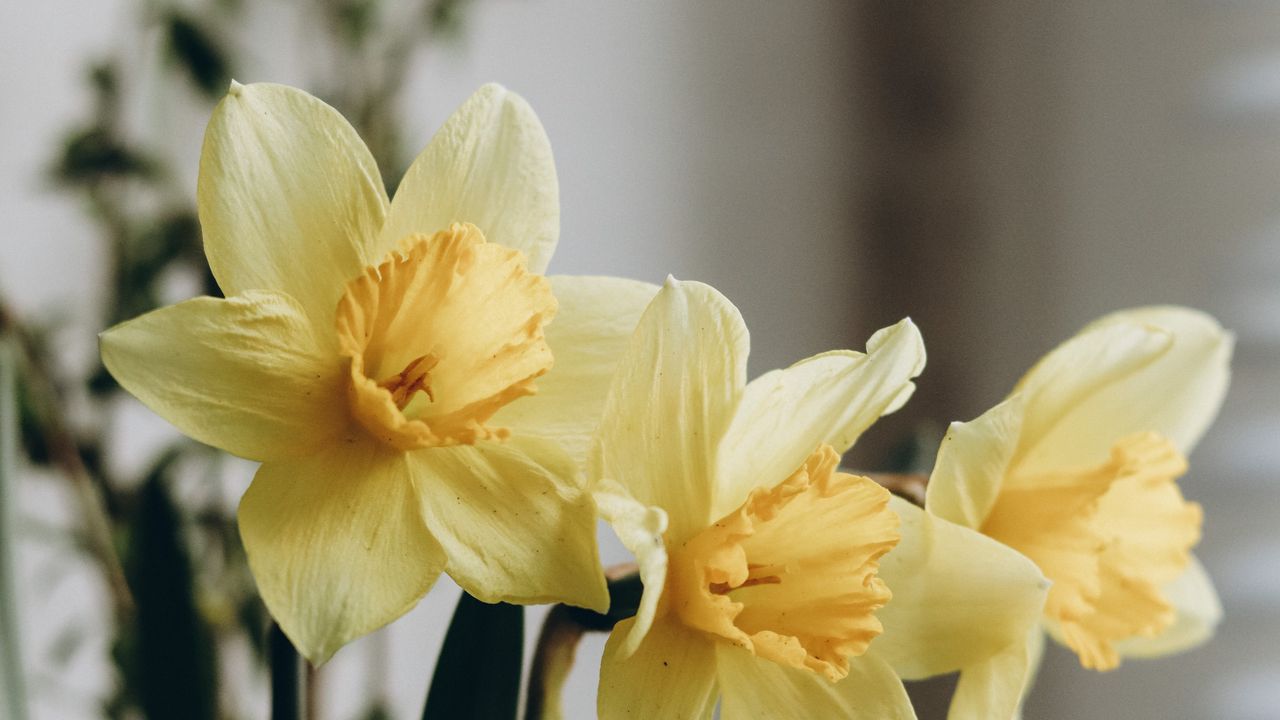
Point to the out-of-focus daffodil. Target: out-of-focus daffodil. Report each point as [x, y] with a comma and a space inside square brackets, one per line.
[771, 579]
[378, 357]
[1077, 471]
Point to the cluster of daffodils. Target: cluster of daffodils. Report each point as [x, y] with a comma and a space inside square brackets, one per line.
[422, 399]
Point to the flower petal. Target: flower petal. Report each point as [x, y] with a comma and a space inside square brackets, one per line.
[971, 464]
[827, 399]
[592, 329]
[337, 544]
[1152, 369]
[1179, 395]
[640, 528]
[959, 597]
[1065, 379]
[671, 675]
[515, 525]
[289, 197]
[489, 165]
[994, 689]
[670, 402]
[757, 688]
[1199, 612]
[246, 374]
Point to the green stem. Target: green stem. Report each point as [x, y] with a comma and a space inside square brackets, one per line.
[287, 677]
[14, 689]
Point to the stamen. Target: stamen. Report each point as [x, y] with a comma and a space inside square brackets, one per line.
[451, 317]
[414, 378]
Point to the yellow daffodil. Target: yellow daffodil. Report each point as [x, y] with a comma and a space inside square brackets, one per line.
[773, 581]
[379, 359]
[1077, 471]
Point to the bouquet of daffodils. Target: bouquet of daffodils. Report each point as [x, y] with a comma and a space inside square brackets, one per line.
[424, 400]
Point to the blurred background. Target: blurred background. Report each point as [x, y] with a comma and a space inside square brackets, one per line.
[1001, 171]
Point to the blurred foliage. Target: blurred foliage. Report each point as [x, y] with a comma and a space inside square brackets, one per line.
[194, 50]
[188, 582]
[167, 653]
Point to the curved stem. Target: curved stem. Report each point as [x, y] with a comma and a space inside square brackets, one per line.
[287, 677]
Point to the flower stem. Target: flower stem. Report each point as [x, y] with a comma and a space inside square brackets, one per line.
[11, 675]
[287, 677]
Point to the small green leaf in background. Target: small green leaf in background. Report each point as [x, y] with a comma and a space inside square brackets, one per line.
[94, 153]
[194, 49]
[170, 656]
[478, 672]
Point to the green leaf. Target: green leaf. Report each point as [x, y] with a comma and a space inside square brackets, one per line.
[196, 51]
[171, 659]
[478, 671]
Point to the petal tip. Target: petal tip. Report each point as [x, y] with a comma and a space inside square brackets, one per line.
[235, 88]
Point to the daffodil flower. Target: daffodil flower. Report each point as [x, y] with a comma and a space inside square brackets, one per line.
[1077, 470]
[379, 359]
[774, 583]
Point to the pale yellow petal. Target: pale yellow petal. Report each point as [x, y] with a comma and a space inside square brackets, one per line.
[1177, 396]
[289, 197]
[756, 689]
[971, 464]
[994, 689]
[489, 165]
[827, 399]
[640, 528]
[593, 327]
[337, 543]
[671, 675]
[246, 375]
[959, 597]
[1198, 613]
[1052, 438]
[514, 521]
[1154, 369]
[670, 402]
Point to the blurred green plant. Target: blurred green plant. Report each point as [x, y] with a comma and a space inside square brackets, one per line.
[184, 582]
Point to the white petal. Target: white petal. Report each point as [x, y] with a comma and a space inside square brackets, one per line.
[489, 165]
[784, 415]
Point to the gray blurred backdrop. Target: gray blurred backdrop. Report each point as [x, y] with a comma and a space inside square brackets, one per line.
[1001, 171]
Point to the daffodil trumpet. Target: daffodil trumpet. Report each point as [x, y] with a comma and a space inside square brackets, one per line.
[776, 585]
[1078, 469]
[399, 367]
